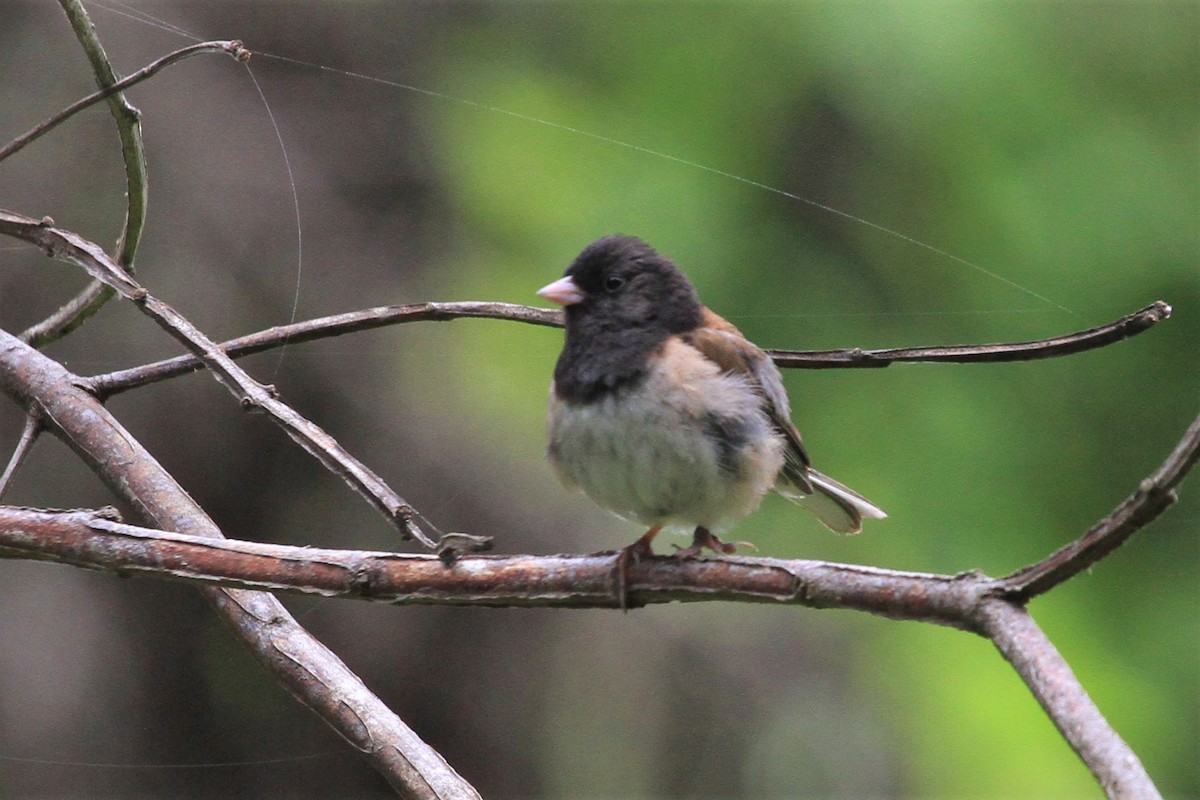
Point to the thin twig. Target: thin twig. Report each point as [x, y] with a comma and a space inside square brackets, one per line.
[1069, 344]
[78, 309]
[133, 148]
[29, 434]
[253, 396]
[300, 663]
[336, 325]
[69, 316]
[322, 328]
[95, 295]
[1153, 496]
[107, 90]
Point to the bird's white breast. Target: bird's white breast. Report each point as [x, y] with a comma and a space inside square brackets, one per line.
[652, 453]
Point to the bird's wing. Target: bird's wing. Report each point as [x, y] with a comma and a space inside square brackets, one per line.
[723, 344]
[840, 508]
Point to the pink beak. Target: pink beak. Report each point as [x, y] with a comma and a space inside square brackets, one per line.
[563, 291]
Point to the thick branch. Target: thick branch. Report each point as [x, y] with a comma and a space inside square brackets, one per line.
[1153, 496]
[94, 540]
[73, 249]
[1059, 692]
[305, 667]
[336, 325]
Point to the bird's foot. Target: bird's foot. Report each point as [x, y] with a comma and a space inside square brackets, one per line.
[703, 538]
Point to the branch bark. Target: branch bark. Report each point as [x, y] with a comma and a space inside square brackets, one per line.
[305, 667]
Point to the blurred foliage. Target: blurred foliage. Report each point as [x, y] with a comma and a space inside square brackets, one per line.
[1040, 163]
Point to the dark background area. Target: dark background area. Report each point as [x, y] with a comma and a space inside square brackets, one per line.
[1053, 145]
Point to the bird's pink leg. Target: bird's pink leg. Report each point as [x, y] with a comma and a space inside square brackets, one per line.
[632, 554]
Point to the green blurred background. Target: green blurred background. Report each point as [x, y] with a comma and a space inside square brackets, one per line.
[1053, 146]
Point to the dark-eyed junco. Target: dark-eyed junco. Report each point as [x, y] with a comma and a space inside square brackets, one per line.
[662, 412]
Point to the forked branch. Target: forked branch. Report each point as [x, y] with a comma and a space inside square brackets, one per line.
[73, 249]
[295, 659]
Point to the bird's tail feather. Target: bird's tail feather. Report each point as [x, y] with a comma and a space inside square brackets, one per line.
[837, 506]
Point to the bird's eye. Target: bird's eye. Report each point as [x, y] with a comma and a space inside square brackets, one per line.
[613, 282]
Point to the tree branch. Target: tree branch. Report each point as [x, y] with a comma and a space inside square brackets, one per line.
[305, 667]
[109, 85]
[969, 601]
[29, 435]
[338, 324]
[253, 396]
[76, 311]
[1049, 677]
[1153, 496]
[1071, 343]
[96, 541]
[73, 313]
[323, 328]
[129, 128]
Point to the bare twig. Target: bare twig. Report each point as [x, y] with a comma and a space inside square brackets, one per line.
[107, 90]
[95, 295]
[1049, 677]
[312, 673]
[1069, 344]
[29, 434]
[73, 249]
[1153, 496]
[324, 327]
[76, 311]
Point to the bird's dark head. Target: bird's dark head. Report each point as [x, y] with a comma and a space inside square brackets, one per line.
[621, 282]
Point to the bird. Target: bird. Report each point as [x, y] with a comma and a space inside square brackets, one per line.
[663, 413]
